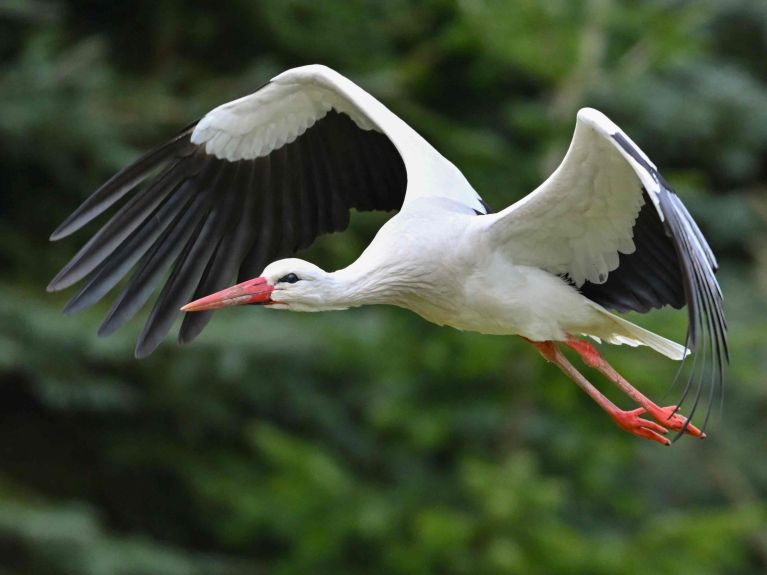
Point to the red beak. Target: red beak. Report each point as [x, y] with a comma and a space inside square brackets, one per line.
[252, 291]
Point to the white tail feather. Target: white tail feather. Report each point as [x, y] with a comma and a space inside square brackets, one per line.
[631, 334]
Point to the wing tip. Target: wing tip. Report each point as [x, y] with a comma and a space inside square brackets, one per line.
[60, 232]
[139, 353]
[72, 223]
[597, 120]
[109, 326]
[590, 114]
[145, 346]
[59, 282]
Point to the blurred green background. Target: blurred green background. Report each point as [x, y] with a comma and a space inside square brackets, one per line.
[370, 441]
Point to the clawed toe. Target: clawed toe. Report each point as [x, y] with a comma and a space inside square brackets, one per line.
[636, 425]
[673, 420]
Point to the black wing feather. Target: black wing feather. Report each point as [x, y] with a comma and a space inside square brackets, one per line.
[154, 264]
[648, 278]
[672, 265]
[228, 255]
[216, 219]
[117, 229]
[191, 263]
[124, 181]
[119, 263]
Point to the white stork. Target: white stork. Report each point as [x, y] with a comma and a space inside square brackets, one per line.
[261, 177]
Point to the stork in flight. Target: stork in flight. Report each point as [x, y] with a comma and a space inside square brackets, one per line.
[261, 177]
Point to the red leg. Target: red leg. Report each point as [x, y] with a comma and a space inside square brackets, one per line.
[628, 420]
[668, 416]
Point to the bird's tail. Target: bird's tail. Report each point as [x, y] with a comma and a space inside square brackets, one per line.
[628, 333]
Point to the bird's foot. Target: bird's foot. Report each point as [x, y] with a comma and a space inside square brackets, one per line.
[631, 422]
[669, 417]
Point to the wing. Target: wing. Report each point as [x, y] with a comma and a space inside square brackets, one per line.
[254, 180]
[609, 222]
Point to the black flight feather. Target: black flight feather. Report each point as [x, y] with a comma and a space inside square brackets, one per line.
[219, 219]
[672, 265]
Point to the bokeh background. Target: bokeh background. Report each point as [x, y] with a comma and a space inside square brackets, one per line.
[370, 441]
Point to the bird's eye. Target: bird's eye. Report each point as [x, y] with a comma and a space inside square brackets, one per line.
[290, 278]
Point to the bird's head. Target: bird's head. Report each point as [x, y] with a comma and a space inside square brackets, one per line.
[291, 283]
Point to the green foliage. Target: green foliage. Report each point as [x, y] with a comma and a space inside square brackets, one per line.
[369, 441]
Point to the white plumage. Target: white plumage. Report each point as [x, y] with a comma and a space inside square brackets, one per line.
[282, 110]
[262, 176]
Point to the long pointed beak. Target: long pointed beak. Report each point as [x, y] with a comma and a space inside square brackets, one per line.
[252, 291]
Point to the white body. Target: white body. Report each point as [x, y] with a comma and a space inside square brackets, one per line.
[477, 286]
[437, 259]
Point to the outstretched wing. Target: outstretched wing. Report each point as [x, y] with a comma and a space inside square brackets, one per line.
[254, 180]
[608, 221]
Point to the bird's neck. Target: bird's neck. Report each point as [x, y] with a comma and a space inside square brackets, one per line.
[359, 285]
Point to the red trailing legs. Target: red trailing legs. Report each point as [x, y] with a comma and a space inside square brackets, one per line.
[667, 416]
[628, 420]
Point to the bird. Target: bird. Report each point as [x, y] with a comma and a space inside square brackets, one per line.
[237, 193]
